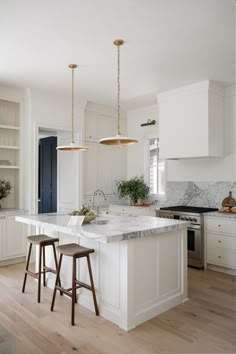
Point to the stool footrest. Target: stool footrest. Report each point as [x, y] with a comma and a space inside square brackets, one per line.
[48, 269]
[63, 290]
[83, 285]
[32, 274]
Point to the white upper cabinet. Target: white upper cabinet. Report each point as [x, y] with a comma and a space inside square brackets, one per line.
[98, 126]
[191, 121]
[103, 165]
[91, 127]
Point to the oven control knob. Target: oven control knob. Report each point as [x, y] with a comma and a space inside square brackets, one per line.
[190, 219]
[194, 220]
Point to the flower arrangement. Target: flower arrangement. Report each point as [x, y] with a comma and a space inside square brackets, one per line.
[5, 188]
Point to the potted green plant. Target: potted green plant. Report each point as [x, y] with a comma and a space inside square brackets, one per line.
[135, 188]
[5, 188]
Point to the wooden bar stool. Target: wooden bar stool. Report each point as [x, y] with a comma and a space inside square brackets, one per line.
[75, 251]
[42, 241]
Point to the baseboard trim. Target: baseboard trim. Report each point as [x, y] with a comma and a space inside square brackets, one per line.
[12, 261]
[221, 269]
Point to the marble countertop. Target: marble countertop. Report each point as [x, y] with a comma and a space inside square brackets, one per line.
[217, 214]
[11, 212]
[108, 228]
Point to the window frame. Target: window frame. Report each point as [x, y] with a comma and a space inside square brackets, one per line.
[147, 167]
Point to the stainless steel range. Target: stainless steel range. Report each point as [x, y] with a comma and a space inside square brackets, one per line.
[195, 231]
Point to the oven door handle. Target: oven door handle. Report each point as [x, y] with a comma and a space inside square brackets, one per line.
[194, 227]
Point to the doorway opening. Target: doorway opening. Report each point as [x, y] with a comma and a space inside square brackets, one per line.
[47, 172]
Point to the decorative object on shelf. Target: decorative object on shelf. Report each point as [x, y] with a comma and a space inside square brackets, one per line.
[72, 145]
[87, 212]
[229, 201]
[228, 204]
[135, 188]
[5, 163]
[5, 188]
[149, 122]
[118, 139]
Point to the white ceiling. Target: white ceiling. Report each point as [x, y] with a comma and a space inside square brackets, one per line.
[168, 43]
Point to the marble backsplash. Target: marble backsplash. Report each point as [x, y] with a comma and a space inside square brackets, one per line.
[202, 194]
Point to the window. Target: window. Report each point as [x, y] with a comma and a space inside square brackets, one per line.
[155, 168]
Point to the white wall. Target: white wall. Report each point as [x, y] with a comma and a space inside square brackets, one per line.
[52, 111]
[209, 169]
[135, 153]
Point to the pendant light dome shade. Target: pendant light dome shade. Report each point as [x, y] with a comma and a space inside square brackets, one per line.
[118, 139]
[72, 146]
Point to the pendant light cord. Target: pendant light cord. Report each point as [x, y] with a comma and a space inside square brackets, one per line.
[118, 89]
[72, 107]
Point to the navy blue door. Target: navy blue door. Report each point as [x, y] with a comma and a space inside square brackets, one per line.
[47, 175]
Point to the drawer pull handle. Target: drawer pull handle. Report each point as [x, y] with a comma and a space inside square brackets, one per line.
[219, 225]
[219, 241]
[219, 256]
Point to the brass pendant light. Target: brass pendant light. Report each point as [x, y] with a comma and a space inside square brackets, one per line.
[72, 146]
[118, 139]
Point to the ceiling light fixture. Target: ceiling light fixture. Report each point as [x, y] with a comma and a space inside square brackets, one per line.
[72, 146]
[118, 139]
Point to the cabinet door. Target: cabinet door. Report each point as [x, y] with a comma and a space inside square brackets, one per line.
[90, 169]
[91, 127]
[106, 127]
[14, 243]
[105, 164]
[118, 166]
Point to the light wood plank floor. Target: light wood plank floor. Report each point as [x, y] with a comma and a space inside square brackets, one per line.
[204, 324]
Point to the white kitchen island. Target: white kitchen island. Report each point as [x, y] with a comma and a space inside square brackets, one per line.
[139, 265]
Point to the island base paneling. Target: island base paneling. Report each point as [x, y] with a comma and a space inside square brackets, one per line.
[135, 279]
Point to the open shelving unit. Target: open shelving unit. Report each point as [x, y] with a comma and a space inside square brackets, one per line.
[10, 151]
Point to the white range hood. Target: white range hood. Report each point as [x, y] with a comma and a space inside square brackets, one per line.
[191, 121]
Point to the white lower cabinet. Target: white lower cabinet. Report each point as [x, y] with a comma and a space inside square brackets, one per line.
[221, 242]
[131, 211]
[12, 239]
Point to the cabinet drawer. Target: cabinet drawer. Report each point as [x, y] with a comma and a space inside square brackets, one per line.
[222, 241]
[221, 257]
[221, 225]
[132, 211]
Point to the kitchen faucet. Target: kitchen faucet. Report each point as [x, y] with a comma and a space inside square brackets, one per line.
[98, 191]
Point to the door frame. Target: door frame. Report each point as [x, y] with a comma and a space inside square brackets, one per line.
[58, 128]
[49, 142]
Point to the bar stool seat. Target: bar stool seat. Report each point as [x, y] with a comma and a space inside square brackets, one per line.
[42, 241]
[75, 251]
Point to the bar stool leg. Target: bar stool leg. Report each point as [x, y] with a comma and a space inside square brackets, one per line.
[56, 265]
[56, 282]
[73, 292]
[92, 286]
[27, 267]
[39, 273]
[44, 274]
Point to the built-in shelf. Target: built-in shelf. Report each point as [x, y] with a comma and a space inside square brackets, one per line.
[9, 127]
[9, 147]
[9, 167]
